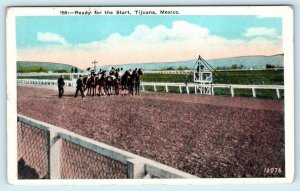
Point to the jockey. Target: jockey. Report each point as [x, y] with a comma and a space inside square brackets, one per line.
[120, 73]
[112, 73]
[117, 73]
[104, 73]
[140, 72]
[134, 73]
[100, 73]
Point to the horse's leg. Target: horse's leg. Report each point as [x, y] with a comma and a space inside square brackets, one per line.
[122, 89]
[117, 89]
[107, 89]
[100, 90]
[104, 89]
[131, 89]
[111, 89]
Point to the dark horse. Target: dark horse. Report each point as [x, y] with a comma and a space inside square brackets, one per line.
[87, 84]
[102, 84]
[109, 85]
[112, 85]
[125, 82]
[134, 82]
[90, 85]
[93, 84]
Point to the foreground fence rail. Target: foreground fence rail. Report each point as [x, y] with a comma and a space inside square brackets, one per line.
[182, 87]
[57, 153]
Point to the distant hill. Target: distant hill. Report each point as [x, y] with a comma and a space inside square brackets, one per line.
[27, 66]
[246, 61]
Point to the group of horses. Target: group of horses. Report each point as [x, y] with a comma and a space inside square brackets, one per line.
[113, 84]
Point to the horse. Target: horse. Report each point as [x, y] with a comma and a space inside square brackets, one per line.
[116, 83]
[87, 84]
[93, 85]
[109, 84]
[124, 82]
[134, 82]
[102, 84]
[112, 83]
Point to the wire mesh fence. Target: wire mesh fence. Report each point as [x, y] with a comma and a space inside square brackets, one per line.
[49, 152]
[78, 162]
[32, 152]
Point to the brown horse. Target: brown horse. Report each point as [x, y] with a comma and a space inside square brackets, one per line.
[134, 82]
[125, 82]
[102, 84]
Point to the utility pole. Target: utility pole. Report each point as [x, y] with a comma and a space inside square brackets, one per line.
[94, 62]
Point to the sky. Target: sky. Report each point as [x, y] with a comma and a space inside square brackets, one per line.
[112, 40]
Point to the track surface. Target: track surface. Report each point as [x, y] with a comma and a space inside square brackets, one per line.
[208, 136]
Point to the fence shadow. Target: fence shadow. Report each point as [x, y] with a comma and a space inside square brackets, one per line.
[25, 171]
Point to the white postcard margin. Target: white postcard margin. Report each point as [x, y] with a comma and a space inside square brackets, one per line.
[285, 12]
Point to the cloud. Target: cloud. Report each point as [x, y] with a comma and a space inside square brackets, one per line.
[181, 41]
[51, 37]
[261, 31]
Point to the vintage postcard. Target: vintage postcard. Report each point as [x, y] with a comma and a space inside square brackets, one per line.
[150, 95]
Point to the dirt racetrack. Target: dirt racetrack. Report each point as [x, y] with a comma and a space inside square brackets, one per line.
[207, 136]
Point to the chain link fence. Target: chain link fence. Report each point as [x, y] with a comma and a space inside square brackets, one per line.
[78, 162]
[32, 152]
[49, 152]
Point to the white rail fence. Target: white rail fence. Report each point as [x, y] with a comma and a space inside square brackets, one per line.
[137, 166]
[232, 87]
[181, 86]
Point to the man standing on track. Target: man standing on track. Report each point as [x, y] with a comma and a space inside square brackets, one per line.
[60, 83]
[79, 86]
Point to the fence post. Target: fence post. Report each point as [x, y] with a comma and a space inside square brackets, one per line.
[253, 92]
[180, 89]
[136, 169]
[195, 89]
[143, 88]
[212, 90]
[154, 86]
[55, 144]
[232, 91]
[187, 89]
[167, 89]
[278, 93]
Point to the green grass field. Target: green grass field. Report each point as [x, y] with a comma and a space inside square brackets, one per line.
[229, 77]
[257, 77]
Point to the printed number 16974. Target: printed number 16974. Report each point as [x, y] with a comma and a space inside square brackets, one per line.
[268, 170]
